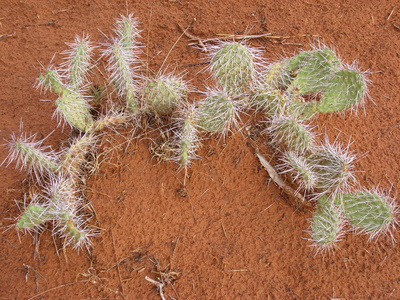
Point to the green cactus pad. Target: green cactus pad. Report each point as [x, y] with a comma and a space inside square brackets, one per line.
[31, 156]
[326, 224]
[234, 67]
[127, 30]
[121, 75]
[71, 228]
[164, 95]
[188, 139]
[278, 75]
[33, 216]
[368, 211]
[312, 71]
[334, 169]
[75, 109]
[346, 89]
[270, 101]
[300, 170]
[79, 62]
[51, 80]
[292, 133]
[217, 113]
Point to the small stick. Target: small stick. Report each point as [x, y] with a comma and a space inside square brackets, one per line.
[278, 180]
[4, 36]
[159, 285]
[390, 14]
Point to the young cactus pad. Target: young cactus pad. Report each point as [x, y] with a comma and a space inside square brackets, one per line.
[120, 67]
[127, 31]
[234, 67]
[164, 94]
[71, 105]
[270, 101]
[78, 61]
[34, 216]
[75, 109]
[299, 169]
[346, 89]
[312, 71]
[187, 137]
[369, 211]
[32, 156]
[218, 112]
[326, 224]
[334, 167]
[294, 134]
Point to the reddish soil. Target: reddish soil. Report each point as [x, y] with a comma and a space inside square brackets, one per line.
[227, 234]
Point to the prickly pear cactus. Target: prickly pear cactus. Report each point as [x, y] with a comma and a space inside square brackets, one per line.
[299, 169]
[164, 94]
[294, 134]
[34, 217]
[234, 67]
[327, 224]
[218, 112]
[369, 211]
[346, 89]
[312, 71]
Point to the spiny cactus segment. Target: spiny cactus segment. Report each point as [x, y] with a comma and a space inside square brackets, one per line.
[327, 225]
[164, 94]
[234, 66]
[370, 211]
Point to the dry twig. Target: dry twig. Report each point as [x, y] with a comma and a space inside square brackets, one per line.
[159, 285]
[278, 180]
[201, 42]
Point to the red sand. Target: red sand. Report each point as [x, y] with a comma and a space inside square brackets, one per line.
[228, 235]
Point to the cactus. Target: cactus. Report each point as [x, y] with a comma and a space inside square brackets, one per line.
[326, 225]
[164, 94]
[31, 155]
[346, 89]
[278, 76]
[234, 66]
[71, 105]
[294, 134]
[127, 31]
[218, 113]
[370, 211]
[122, 57]
[270, 101]
[63, 199]
[74, 158]
[299, 169]
[313, 71]
[334, 166]
[187, 138]
[78, 62]
[34, 217]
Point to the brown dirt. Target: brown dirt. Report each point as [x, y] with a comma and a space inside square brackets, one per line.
[228, 235]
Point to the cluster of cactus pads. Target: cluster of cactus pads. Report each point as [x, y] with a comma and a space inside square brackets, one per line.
[288, 93]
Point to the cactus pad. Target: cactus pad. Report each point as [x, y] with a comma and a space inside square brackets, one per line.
[233, 65]
[346, 89]
[369, 211]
